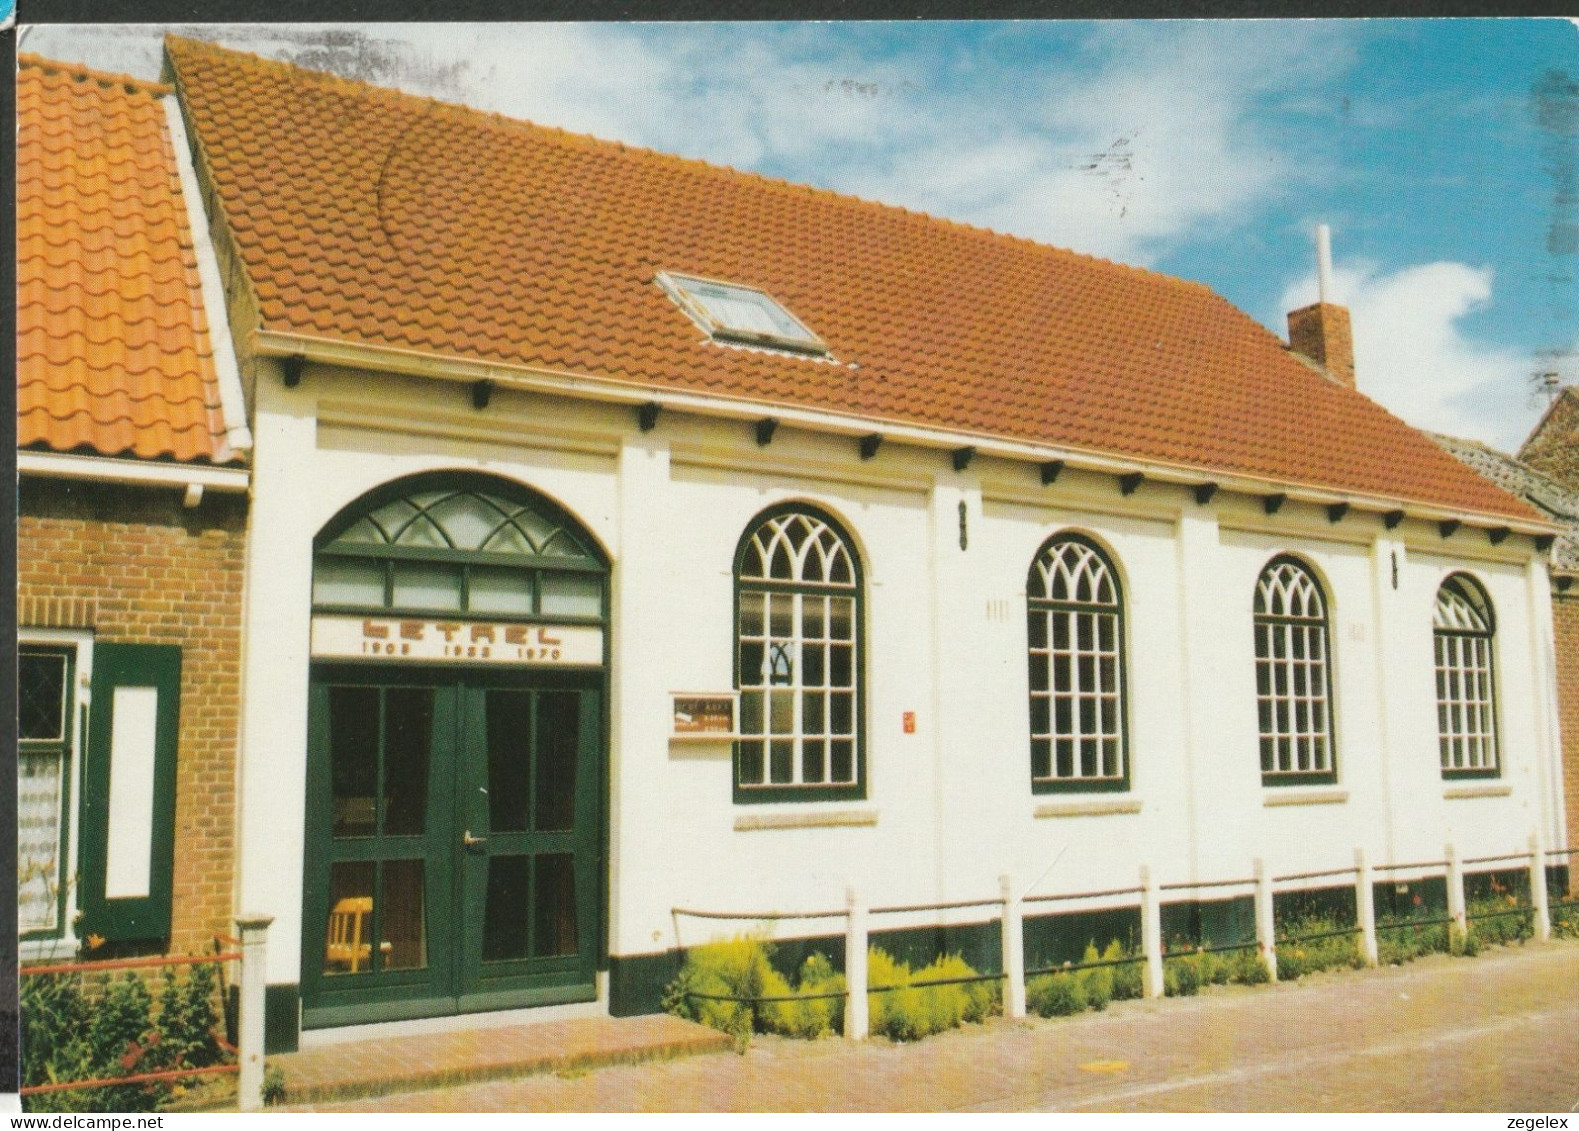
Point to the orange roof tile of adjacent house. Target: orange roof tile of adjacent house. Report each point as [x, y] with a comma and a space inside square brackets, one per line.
[113, 350]
[376, 218]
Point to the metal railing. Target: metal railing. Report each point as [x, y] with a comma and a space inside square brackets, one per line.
[249, 952]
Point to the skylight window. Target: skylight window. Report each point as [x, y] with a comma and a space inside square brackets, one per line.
[733, 313]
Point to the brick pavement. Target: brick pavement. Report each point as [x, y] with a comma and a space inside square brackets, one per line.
[1496, 1033]
[370, 1068]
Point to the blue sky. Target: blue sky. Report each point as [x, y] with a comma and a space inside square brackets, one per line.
[1443, 153]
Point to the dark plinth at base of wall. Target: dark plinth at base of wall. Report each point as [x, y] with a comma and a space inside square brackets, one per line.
[282, 1013]
[281, 1017]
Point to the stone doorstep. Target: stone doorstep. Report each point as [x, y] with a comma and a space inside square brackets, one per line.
[358, 1070]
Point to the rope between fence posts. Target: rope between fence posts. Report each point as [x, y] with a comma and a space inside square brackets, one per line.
[1210, 950]
[1413, 923]
[1082, 895]
[1500, 914]
[1406, 867]
[1313, 875]
[141, 1078]
[764, 915]
[1073, 966]
[901, 909]
[1497, 859]
[1562, 852]
[1318, 935]
[1207, 884]
[772, 997]
[845, 993]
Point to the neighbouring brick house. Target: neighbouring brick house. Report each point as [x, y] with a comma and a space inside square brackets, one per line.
[131, 532]
[1552, 450]
[630, 535]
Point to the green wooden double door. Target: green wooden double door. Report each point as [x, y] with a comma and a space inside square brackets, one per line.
[453, 842]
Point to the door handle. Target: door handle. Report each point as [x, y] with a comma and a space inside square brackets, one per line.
[473, 843]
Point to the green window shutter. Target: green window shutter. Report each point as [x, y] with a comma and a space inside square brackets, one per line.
[128, 796]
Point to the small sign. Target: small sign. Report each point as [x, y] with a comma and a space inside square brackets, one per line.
[909, 722]
[699, 715]
[455, 641]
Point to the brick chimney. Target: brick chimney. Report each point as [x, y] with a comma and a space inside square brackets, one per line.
[1321, 331]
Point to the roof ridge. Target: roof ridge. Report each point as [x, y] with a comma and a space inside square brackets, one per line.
[107, 79]
[713, 168]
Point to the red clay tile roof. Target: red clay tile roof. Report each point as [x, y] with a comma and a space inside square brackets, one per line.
[374, 217]
[113, 352]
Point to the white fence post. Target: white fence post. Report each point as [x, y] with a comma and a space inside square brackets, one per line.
[856, 1019]
[1455, 891]
[249, 1046]
[1151, 931]
[1013, 951]
[1365, 907]
[1538, 894]
[1266, 921]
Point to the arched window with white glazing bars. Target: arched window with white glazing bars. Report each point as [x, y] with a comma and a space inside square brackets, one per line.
[798, 659]
[1076, 632]
[1463, 629]
[1293, 676]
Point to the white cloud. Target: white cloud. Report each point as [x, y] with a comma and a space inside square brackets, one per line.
[1412, 354]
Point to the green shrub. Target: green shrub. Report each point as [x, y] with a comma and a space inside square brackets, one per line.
[816, 1016]
[1214, 968]
[1056, 995]
[273, 1085]
[1247, 968]
[1097, 984]
[1406, 942]
[742, 968]
[1462, 942]
[734, 968]
[1186, 975]
[913, 1011]
[1298, 955]
[1491, 924]
[70, 1032]
[186, 1020]
[1565, 922]
[1129, 980]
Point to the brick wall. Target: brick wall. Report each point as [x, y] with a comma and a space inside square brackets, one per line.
[1565, 617]
[133, 565]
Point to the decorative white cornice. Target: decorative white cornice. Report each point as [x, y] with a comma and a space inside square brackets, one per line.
[389, 359]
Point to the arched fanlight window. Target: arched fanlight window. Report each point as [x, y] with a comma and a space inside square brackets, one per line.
[1463, 629]
[1076, 634]
[798, 659]
[1293, 676]
[456, 544]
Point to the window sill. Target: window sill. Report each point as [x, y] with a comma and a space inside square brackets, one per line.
[1092, 807]
[1288, 796]
[822, 819]
[1488, 789]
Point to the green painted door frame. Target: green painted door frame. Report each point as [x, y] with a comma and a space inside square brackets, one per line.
[496, 902]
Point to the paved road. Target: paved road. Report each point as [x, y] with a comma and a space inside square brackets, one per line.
[1495, 1033]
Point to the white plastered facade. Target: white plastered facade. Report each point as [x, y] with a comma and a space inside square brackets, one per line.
[948, 808]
